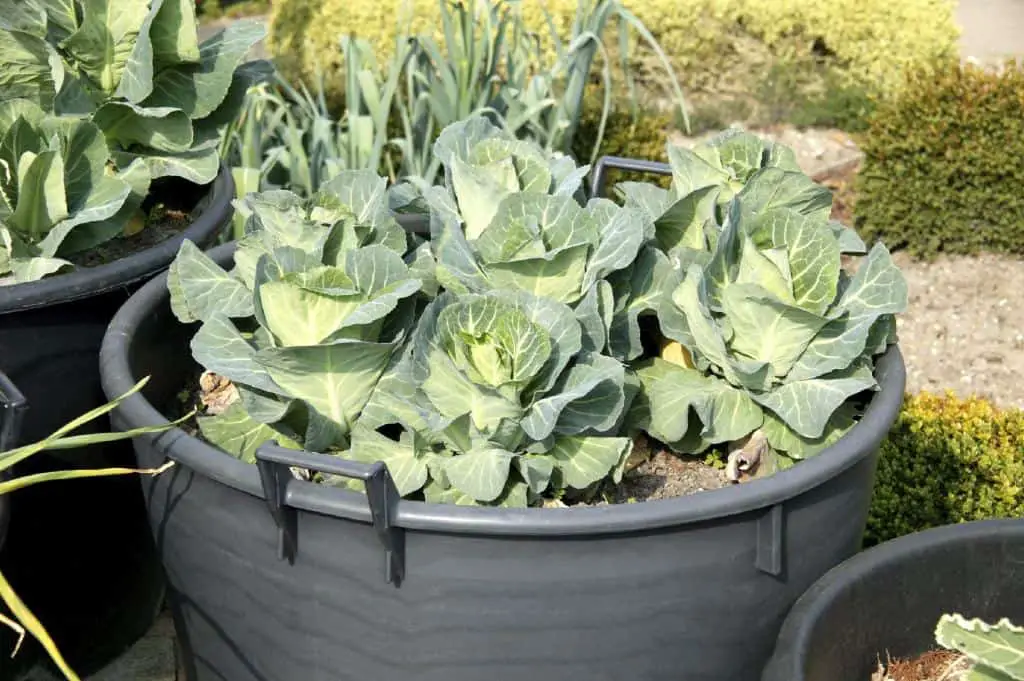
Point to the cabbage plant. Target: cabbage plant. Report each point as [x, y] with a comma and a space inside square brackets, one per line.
[500, 402]
[776, 337]
[136, 71]
[307, 321]
[706, 178]
[512, 218]
[57, 194]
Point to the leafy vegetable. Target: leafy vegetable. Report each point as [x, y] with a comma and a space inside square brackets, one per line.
[57, 195]
[132, 70]
[780, 336]
[502, 403]
[307, 321]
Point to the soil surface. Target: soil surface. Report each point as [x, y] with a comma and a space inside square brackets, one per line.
[935, 665]
[666, 475]
[163, 224]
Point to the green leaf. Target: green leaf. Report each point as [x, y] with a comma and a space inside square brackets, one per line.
[31, 69]
[162, 129]
[783, 439]
[219, 347]
[807, 406]
[201, 290]
[670, 391]
[536, 471]
[199, 89]
[336, 380]
[174, 34]
[582, 461]
[772, 188]
[765, 329]
[588, 398]
[622, 231]
[690, 172]
[994, 648]
[238, 434]
[136, 81]
[878, 288]
[481, 472]
[34, 269]
[407, 465]
[812, 251]
[104, 44]
[42, 201]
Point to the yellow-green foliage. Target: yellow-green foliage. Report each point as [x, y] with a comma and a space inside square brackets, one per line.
[943, 168]
[948, 460]
[715, 45]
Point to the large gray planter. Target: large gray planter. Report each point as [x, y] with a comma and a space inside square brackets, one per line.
[690, 589]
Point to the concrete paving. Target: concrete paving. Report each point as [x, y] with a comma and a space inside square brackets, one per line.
[992, 29]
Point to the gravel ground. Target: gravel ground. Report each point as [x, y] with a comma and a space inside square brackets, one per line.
[964, 327]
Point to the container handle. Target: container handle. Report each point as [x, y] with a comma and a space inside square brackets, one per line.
[634, 165]
[12, 409]
[274, 463]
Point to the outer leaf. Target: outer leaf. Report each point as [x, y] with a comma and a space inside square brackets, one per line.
[877, 289]
[238, 434]
[103, 44]
[783, 439]
[201, 290]
[174, 34]
[136, 81]
[42, 201]
[582, 461]
[481, 472]
[589, 398]
[163, 129]
[198, 90]
[772, 188]
[670, 391]
[336, 380]
[220, 348]
[995, 648]
[407, 466]
[806, 406]
[31, 69]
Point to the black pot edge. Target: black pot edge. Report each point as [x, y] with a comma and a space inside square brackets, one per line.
[792, 643]
[92, 281]
[863, 440]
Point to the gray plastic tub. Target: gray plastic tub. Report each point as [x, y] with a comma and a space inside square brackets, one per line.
[690, 589]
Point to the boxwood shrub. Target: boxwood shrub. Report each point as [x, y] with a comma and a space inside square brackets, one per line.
[942, 170]
[948, 460]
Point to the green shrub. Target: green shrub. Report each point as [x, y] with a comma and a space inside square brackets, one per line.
[643, 136]
[948, 460]
[716, 45]
[943, 169]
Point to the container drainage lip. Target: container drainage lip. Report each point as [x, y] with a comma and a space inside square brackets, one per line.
[93, 281]
[863, 440]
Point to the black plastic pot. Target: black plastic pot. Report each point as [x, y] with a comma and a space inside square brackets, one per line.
[79, 552]
[887, 601]
[692, 588]
[12, 407]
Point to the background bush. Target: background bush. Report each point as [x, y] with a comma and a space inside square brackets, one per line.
[718, 46]
[948, 460]
[943, 170]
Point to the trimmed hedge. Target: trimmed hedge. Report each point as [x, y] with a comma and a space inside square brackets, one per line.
[943, 170]
[716, 45]
[948, 460]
